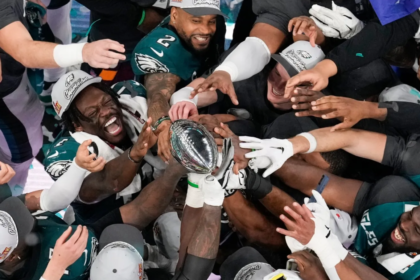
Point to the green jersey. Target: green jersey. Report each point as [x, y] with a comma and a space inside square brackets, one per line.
[163, 51]
[47, 230]
[376, 226]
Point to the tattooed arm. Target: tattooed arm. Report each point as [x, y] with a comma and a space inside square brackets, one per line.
[160, 87]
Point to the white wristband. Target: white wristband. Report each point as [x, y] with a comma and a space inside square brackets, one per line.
[324, 251]
[312, 141]
[183, 95]
[68, 55]
[195, 196]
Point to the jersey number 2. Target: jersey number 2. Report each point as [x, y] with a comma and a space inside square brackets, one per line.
[164, 41]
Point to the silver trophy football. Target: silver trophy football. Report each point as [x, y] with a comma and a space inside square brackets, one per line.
[193, 146]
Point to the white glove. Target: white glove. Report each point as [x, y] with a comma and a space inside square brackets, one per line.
[227, 179]
[213, 192]
[195, 196]
[319, 208]
[278, 151]
[336, 23]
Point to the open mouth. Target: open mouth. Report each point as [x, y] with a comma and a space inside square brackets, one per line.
[112, 127]
[202, 39]
[398, 237]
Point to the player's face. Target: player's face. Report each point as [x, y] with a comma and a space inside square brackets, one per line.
[405, 238]
[196, 31]
[105, 115]
[276, 84]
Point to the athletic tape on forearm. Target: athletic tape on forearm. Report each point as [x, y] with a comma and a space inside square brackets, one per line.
[64, 190]
[195, 196]
[68, 55]
[324, 251]
[214, 195]
[183, 95]
[248, 59]
[312, 141]
[332, 273]
[337, 246]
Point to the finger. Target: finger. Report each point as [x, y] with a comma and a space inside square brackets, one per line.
[186, 111]
[180, 110]
[108, 62]
[114, 45]
[221, 132]
[300, 99]
[335, 114]
[254, 154]
[305, 113]
[86, 143]
[291, 24]
[273, 168]
[115, 55]
[296, 27]
[251, 146]
[236, 168]
[308, 212]
[303, 28]
[89, 159]
[99, 167]
[327, 99]
[203, 86]
[219, 141]
[3, 170]
[319, 199]
[301, 211]
[232, 94]
[298, 260]
[289, 223]
[95, 163]
[64, 236]
[293, 213]
[312, 38]
[249, 139]
[171, 113]
[301, 106]
[75, 235]
[286, 232]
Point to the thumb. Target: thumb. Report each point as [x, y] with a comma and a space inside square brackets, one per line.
[86, 143]
[339, 126]
[271, 170]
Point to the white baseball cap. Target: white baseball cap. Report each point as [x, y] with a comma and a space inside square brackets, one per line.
[298, 57]
[120, 257]
[198, 7]
[68, 87]
[404, 93]
[16, 222]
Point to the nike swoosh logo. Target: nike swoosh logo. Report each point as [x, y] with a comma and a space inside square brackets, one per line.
[282, 149]
[160, 54]
[53, 155]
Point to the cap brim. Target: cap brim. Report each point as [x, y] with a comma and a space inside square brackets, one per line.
[289, 68]
[95, 80]
[239, 260]
[20, 215]
[198, 12]
[122, 233]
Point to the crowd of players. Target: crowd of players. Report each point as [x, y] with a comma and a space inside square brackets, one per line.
[314, 109]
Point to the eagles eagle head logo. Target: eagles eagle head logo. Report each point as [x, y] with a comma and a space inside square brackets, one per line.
[69, 79]
[304, 54]
[148, 64]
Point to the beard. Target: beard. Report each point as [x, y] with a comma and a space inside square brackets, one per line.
[198, 52]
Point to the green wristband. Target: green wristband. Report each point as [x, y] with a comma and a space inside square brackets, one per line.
[159, 121]
[143, 16]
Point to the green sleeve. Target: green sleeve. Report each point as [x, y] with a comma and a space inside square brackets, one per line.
[60, 155]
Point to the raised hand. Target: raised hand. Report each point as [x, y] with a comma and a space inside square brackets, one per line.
[348, 110]
[304, 25]
[145, 141]
[301, 100]
[220, 80]
[183, 110]
[278, 151]
[87, 160]
[103, 53]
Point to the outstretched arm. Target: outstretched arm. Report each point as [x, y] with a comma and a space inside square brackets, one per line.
[119, 172]
[17, 42]
[160, 87]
